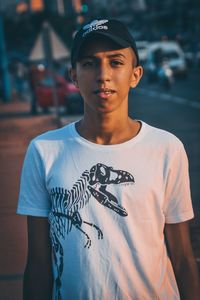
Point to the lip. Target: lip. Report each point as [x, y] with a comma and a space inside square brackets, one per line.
[104, 93]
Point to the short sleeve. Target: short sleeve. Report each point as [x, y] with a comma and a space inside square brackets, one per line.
[33, 196]
[178, 203]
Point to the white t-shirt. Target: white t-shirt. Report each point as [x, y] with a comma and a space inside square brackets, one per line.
[107, 206]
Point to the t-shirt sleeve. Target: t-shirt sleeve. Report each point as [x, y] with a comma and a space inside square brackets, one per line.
[178, 203]
[34, 199]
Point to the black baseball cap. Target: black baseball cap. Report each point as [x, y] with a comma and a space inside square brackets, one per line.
[113, 29]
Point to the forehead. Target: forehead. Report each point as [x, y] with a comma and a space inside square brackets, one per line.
[100, 44]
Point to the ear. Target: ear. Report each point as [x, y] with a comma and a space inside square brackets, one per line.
[136, 76]
[72, 73]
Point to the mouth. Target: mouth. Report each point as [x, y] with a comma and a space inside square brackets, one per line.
[104, 93]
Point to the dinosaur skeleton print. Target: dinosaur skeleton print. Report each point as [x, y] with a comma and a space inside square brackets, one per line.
[67, 205]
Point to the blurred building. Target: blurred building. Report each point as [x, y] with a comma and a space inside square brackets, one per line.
[61, 7]
[153, 19]
[6, 4]
[174, 16]
[149, 19]
[8, 7]
[116, 8]
[13, 7]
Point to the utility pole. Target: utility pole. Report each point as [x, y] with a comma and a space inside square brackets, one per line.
[48, 51]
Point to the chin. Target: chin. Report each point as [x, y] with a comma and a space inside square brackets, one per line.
[101, 109]
[105, 111]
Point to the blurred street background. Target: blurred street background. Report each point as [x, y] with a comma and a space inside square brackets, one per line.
[36, 93]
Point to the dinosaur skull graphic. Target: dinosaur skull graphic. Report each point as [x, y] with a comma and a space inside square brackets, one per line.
[107, 175]
[101, 176]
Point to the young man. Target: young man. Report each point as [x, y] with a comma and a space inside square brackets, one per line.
[111, 192]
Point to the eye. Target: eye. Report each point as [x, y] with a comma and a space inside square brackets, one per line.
[116, 63]
[87, 63]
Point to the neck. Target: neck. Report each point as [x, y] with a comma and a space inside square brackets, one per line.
[106, 129]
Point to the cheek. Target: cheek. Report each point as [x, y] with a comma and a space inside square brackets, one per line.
[124, 80]
[85, 81]
[83, 84]
[126, 74]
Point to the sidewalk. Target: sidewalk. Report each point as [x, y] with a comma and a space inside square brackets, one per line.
[17, 128]
[14, 108]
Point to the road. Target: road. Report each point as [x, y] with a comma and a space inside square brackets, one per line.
[187, 89]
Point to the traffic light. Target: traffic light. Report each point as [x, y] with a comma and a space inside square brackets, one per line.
[84, 8]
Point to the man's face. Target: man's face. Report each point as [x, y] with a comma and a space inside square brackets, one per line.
[104, 75]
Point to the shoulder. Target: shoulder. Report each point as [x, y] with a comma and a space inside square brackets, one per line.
[52, 137]
[50, 143]
[162, 137]
[163, 142]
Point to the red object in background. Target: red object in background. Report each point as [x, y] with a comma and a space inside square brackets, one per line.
[44, 91]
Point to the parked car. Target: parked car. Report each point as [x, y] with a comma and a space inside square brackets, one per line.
[68, 95]
[167, 51]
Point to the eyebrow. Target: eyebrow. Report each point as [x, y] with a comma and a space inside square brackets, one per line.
[115, 55]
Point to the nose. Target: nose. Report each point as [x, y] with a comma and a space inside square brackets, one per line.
[103, 72]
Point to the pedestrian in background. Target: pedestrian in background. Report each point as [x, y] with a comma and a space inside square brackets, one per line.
[111, 192]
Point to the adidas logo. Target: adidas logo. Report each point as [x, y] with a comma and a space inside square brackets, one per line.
[95, 25]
